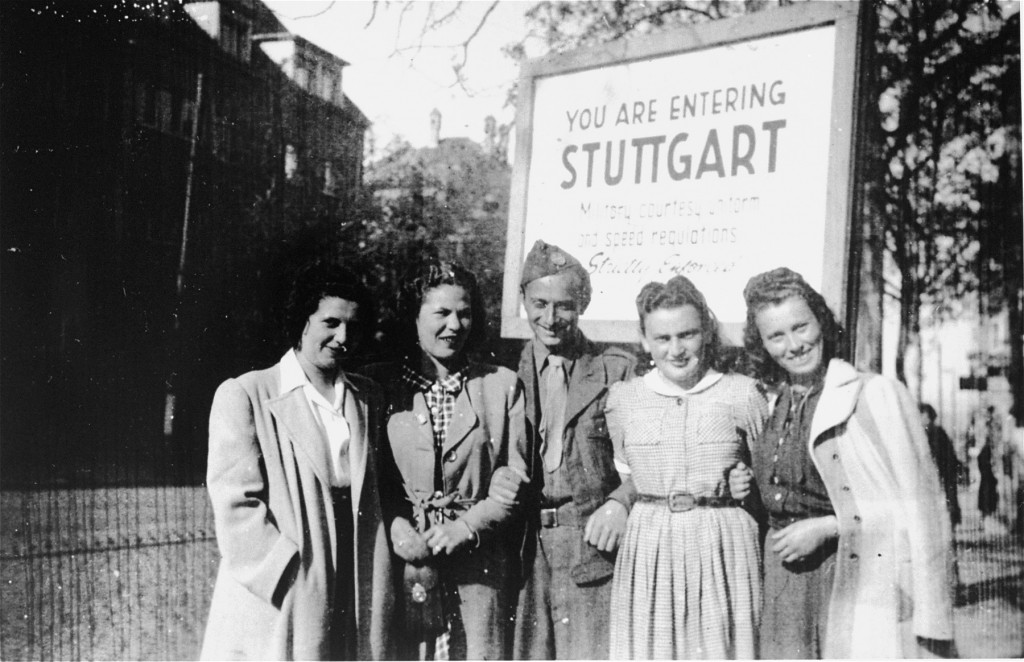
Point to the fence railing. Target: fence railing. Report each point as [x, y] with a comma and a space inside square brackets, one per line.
[105, 573]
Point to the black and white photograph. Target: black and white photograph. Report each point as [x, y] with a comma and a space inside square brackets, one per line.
[511, 329]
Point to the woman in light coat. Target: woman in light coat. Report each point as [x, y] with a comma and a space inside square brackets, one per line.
[451, 424]
[305, 570]
[858, 558]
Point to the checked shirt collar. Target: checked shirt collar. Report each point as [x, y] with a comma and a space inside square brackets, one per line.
[440, 395]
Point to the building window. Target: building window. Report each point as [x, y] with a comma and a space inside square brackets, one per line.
[291, 162]
[328, 83]
[163, 110]
[330, 179]
[145, 104]
[234, 36]
[305, 73]
[301, 76]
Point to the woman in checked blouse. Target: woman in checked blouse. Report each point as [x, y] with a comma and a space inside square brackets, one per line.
[687, 580]
[451, 424]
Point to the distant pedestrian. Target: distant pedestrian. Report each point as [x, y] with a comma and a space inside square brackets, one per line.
[988, 458]
[293, 482]
[945, 457]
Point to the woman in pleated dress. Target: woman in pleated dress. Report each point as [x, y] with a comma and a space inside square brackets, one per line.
[687, 579]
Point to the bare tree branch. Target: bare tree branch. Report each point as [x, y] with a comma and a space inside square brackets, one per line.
[472, 36]
[373, 13]
[440, 22]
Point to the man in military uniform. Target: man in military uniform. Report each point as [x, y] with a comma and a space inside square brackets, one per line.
[577, 503]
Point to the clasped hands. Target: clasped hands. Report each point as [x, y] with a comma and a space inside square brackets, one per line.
[798, 540]
[412, 546]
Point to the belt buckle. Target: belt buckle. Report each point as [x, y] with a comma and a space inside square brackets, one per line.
[549, 517]
[680, 502]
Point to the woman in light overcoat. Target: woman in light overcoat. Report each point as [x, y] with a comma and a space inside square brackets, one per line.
[288, 535]
[858, 557]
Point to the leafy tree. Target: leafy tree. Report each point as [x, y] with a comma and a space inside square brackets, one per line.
[449, 201]
[947, 83]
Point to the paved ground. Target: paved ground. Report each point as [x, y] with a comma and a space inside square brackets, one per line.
[990, 598]
[121, 573]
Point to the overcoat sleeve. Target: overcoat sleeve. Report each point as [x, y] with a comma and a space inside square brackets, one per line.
[924, 513]
[488, 513]
[254, 551]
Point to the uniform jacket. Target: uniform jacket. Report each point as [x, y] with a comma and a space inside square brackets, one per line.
[487, 431]
[269, 482]
[588, 456]
[894, 563]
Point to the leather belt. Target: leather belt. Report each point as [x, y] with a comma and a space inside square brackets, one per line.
[680, 502]
[564, 515]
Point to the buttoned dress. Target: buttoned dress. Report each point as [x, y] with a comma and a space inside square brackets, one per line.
[687, 584]
[893, 561]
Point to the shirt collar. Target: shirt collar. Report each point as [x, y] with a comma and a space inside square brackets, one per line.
[450, 384]
[541, 354]
[293, 377]
[655, 381]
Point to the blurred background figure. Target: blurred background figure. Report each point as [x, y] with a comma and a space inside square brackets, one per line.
[986, 436]
[944, 453]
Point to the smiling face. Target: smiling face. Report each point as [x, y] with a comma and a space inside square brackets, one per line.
[444, 322]
[553, 310]
[793, 338]
[674, 338]
[330, 333]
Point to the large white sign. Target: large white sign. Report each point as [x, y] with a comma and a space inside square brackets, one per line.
[712, 163]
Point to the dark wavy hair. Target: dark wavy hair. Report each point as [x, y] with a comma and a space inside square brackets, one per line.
[413, 290]
[679, 291]
[770, 289]
[319, 280]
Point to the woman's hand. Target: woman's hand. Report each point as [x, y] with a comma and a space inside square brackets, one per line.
[606, 526]
[448, 537]
[741, 480]
[505, 485]
[801, 539]
[409, 544]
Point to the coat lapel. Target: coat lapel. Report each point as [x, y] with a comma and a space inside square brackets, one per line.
[292, 411]
[355, 410]
[464, 418]
[585, 384]
[838, 399]
[528, 375]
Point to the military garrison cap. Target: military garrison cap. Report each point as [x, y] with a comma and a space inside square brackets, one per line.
[546, 259]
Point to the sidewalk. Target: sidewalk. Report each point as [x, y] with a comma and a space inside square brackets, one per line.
[989, 613]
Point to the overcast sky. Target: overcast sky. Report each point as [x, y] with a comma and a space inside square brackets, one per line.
[398, 91]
